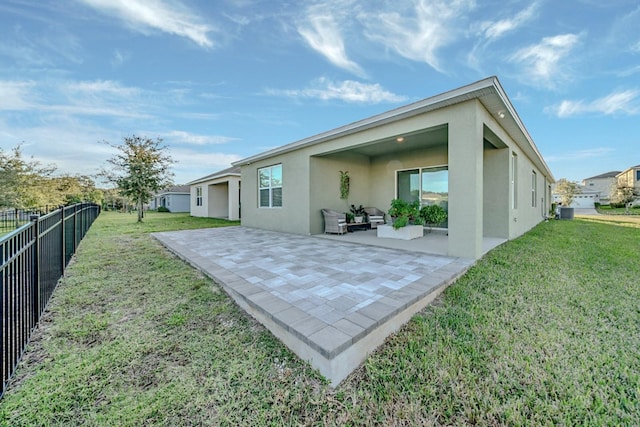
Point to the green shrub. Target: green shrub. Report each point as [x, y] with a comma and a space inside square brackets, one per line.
[433, 215]
[163, 209]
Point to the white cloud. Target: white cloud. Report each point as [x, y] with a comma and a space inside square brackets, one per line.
[494, 30]
[624, 102]
[168, 17]
[14, 95]
[193, 164]
[119, 58]
[418, 33]
[542, 63]
[348, 91]
[183, 137]
[322, 33]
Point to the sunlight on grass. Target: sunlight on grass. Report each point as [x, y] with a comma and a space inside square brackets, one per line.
[543, 330]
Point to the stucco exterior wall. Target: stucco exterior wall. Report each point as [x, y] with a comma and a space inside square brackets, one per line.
[198, 210]
[293, 216]
[325, 185]
[496, 209]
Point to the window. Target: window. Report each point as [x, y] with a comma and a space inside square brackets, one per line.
[514, 180]
[198, 196]
[638, 175]
[270, 187]
[534, 188]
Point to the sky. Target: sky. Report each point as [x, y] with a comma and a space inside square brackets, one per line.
[221, 80]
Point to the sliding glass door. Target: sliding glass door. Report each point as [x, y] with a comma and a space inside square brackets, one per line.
[428, 185]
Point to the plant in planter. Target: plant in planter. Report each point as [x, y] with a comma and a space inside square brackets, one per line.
[358, 213]
[350, 217]
[404, 213]
[433, 215]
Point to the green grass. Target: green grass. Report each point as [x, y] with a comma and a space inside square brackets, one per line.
[608, 210]
[542, 331]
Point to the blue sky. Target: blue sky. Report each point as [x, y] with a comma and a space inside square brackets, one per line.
[222, 80]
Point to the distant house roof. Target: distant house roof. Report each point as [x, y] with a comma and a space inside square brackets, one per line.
[233, 170]
[174, 189]
[628, 169]
[611, 174]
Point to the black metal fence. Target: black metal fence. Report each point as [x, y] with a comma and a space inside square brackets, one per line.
[32, 260]
[10, 219]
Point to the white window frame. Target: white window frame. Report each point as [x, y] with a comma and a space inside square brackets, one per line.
[534, 189]
[269, 170]
[199, 196]
[514, 180]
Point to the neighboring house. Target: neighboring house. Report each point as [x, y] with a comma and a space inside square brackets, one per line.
[217, 195]
[176, 199]
[602, 184]
[586, 199]
[468, 145]
[630, 178]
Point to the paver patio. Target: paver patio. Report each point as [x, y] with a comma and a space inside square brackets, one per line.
[332, 303]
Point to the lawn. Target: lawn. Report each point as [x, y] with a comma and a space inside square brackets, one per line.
[544, 330]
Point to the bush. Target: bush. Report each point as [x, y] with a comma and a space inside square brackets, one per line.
[163, 209]
[596, 205]
[433, 215]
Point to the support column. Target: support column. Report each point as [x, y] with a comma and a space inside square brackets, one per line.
[234, 198]
[465, 181]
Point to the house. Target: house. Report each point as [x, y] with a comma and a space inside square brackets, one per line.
[630, 178]
[217, 195]
[468, 145]
[176, 199]
[602, 184]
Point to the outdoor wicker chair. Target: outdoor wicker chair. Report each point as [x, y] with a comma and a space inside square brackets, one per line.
[375, 216]
[334, 222]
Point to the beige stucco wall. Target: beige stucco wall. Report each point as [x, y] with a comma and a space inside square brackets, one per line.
[293, 216]
[198, 210]
[325, 185]
[495, 209]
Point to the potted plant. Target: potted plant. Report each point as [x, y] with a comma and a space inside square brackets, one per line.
[358, 213]
[433, 215]
[406, 221]
[349, 216]
[404, 213]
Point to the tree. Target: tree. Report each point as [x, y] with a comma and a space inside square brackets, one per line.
[622, 195]
[24, 183]
[140, 169]
[567, 190]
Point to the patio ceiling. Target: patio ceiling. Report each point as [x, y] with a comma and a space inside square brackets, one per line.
[421, 139]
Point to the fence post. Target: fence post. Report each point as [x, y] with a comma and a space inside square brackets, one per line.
[75, 227]
[35, 268]
[62, 240]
